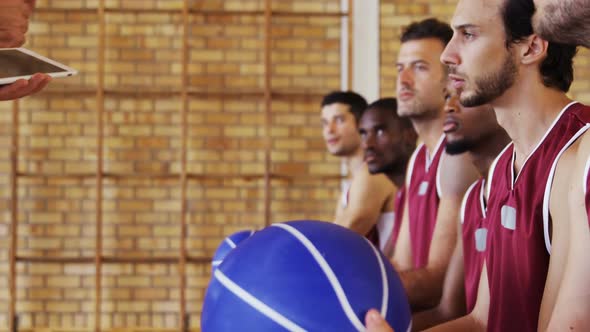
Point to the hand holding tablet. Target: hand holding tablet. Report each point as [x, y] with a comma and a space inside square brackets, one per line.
[22, 88]
[23, 72]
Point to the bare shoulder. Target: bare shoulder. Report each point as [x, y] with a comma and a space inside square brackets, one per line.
[364, 179]
[572, 302]
[565, 183]
[570, 173]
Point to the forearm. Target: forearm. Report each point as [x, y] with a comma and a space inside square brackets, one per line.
[423, 286]
[467, 323]
[445, 311]
[429, 318]
[357, 224]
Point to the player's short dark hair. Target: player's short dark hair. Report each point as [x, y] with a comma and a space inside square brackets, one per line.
[428, 28]
[389, 105]
[557, 70]
[357, 103]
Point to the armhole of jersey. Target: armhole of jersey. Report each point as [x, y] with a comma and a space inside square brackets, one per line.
[465, 198]
[411, 165]
[549, 184]
[481, 198]
[586, 170]
[345, 191]
[437, 178]
[493, 169]
[440, 162]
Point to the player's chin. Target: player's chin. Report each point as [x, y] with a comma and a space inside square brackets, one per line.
[374, 168]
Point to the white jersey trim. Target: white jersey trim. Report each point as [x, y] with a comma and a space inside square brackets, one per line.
[549, 184]
[539, 143]
[481, 198]
[493, 169]
[437, 178]
[385, 226]
[344, 198]
[436, 148]
[411, 164]
[464, 202]
[586, 170]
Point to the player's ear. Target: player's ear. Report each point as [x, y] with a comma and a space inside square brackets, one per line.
[533, 49]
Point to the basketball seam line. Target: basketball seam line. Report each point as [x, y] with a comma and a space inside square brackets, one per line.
[264, 309]
[340, 295]
[231, 243]
[385, 298]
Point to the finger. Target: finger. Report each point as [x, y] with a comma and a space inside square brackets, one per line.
[14, 91]
[38, 82]
[375, 322]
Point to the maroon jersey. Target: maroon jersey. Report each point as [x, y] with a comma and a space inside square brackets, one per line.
[423, 197]
[586, 187]
[400, 199]
[474, 235]
[518, 225]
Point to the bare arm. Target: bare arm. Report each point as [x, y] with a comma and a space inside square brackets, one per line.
[477, 320]
[402, 256]
[452, 303]
[368, 195]
[424, 286]
[566, 299]
[23, 88]
[474, 321]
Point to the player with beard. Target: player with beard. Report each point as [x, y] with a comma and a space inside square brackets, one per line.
[387, 142]
[528, 219]
[435, 181]
[366, 198]
[475, 131]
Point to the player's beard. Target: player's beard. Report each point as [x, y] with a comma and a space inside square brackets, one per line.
[459, 146]
[492, 85]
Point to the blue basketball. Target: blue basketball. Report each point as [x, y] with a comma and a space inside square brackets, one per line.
[228, 244]
[303, 276]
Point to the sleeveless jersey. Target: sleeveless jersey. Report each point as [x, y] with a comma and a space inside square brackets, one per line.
[382, 230]
[474, 235]
[586, 188]
[423, 196]
[518, 225]
[400, 199]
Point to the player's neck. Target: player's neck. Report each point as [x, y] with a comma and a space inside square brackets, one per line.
[429, 131]
[483, 155]
[353, 162]
[397, 178]
[526, 113]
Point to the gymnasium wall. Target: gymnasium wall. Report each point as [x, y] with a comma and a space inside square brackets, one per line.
[142, 196]
[395, 14]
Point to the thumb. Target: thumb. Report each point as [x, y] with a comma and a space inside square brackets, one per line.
[376, 323]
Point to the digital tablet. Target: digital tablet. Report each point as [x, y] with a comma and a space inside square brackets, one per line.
[17, 63]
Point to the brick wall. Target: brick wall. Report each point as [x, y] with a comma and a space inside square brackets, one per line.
[142, 121]
[142, 151]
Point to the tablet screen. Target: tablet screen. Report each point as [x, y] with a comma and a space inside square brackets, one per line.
[15, 63]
